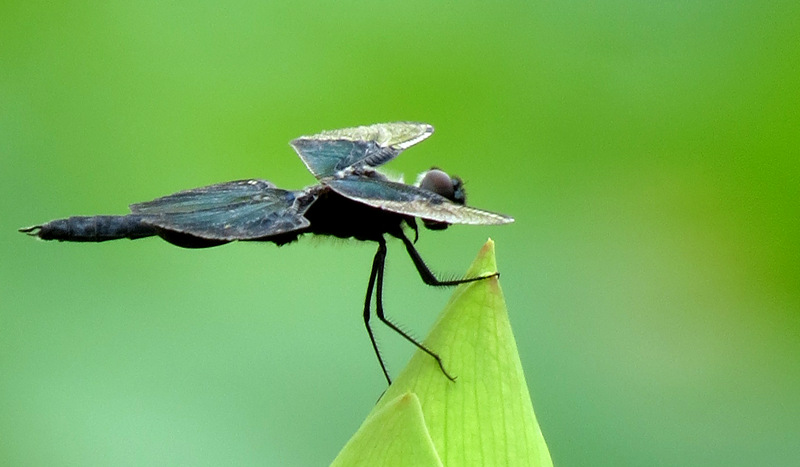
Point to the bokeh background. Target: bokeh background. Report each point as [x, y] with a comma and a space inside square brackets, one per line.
[648, 150]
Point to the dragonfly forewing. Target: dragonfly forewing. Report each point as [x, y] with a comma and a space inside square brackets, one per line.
[412, 201]
[329, 152]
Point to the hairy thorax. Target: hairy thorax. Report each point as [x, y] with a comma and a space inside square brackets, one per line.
[333, 214]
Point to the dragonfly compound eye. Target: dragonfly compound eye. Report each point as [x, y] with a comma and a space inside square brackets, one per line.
[439, 182]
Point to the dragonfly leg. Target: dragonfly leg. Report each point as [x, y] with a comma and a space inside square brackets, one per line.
[377, 265]
[380, 259]
[427, 275]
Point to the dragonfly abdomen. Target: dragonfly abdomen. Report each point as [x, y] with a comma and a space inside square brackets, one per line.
[92, 229]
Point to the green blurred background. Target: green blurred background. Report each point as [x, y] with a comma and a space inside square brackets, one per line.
[648, 150]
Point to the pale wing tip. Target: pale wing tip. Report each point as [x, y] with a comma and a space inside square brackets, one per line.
[494, 218]
[483, 218]
[400, 135]
[423, 132]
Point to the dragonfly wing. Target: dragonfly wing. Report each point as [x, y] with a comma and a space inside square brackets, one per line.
[411, 201]
[331, 151]
[239, 210]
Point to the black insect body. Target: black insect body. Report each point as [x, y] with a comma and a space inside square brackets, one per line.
[351, 200]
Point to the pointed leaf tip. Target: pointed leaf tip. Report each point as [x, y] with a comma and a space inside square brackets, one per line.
[485, 263]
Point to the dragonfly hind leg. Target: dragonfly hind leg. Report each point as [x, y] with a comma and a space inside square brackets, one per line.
[376, 281]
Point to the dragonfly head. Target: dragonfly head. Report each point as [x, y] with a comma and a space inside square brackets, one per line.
[439, 182]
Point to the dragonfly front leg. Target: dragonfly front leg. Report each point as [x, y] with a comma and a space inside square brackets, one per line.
[427, 275]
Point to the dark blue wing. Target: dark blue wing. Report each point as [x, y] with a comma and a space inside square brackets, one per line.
[240, 210]
[411, 201]
[331, 151]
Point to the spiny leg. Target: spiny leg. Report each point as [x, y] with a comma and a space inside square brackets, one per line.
[427, 275]
[377, 265]
[381, 256]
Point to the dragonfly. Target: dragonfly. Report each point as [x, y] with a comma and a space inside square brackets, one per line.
[352, 199]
